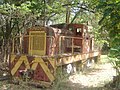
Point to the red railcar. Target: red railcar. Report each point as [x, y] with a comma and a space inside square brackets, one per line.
[41, 50]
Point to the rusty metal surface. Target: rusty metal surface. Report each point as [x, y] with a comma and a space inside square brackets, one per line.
[62, 47]
[66, 59]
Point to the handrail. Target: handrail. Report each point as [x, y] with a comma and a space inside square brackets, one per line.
[31, 35]
[71, 37]
[52, 37]
[67, 37]
[25, 36]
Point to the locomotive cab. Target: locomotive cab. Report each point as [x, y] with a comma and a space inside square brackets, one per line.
[79, 31]
[57, 39]
[80, 40]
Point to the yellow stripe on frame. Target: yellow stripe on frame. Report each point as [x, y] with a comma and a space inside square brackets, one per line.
[18, 64]
[52, 62]
[34, 65]
[12, 58]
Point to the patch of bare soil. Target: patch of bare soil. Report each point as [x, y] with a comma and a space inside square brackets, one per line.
[93, 78]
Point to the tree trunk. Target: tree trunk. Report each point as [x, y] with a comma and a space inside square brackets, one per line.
[67, 14]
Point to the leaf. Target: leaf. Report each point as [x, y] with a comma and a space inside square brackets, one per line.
[107, 12]
[101, 5]
[101, 20]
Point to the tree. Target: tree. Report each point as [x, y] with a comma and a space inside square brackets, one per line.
[15, 17]
[110, 25]
[13, 21]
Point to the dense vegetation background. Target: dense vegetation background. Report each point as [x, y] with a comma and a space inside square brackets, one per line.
[102, 15]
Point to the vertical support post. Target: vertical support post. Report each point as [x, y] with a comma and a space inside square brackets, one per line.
[68, 11]
[72, 46]
[30, 44]
[21, 44]
[67, 14]
[13, 46]
[55, 66]
[60, 43]
[83, 45]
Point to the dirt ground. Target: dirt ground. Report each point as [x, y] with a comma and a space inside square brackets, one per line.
[93, 78]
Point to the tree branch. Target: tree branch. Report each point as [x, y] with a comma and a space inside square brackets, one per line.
[75, 16]
[81, 6]
[50, 17]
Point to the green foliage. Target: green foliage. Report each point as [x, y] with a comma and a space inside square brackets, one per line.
[24, 13]
[110, 23]
[13, 21]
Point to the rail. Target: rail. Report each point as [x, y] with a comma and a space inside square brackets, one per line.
[20, 43]
[70, 44]
[61, 45]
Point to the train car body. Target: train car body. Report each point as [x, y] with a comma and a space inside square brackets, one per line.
[41, 50]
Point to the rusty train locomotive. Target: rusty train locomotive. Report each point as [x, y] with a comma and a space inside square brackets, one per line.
[38, 53]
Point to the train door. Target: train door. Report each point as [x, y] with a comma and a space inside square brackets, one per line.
[37, 43]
